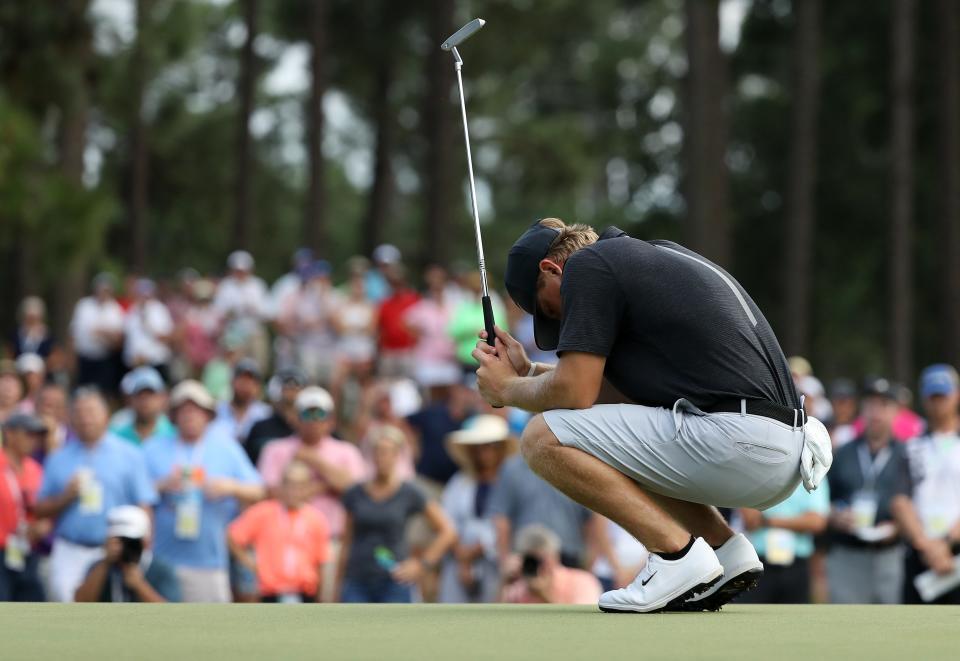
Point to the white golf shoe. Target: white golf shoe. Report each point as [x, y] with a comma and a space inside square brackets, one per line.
[666, 584]
[742, 570]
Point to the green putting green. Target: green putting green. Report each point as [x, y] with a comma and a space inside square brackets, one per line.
[184, 631]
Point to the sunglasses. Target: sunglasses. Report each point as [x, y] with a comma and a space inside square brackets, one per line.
[313, 414]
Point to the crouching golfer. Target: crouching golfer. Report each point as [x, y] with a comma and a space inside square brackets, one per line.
[671, 397]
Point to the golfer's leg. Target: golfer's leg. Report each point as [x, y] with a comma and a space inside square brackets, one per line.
[701, 520]
[601, 488]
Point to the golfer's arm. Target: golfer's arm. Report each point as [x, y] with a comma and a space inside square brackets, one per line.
[573, 384]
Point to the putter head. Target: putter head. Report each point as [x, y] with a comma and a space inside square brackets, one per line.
[463, 34]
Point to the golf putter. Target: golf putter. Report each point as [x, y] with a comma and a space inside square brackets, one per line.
[451, 44]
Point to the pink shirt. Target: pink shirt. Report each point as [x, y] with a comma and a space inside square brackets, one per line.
[570, 586]
[431, 320]
[277, 454]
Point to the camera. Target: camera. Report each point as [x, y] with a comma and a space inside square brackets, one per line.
[531, 566]
[132, 550]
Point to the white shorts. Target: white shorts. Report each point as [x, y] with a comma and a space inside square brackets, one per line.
[721, 459]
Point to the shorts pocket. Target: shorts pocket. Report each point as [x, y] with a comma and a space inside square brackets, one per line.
[762, 453]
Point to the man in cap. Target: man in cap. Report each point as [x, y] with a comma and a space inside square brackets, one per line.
[147, 397]
[20, 478]
[82, 481]
[129, 572]
[865, 561]
[929, 515]
[243, 301]
[713, 417]
[543, 578]
[282, 390]
[245, 408]
[97, 333]
[203, 477]
[33, 370]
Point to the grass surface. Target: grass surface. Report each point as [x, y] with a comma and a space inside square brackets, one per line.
[184, 631]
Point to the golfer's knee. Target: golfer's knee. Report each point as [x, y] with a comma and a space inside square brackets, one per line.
[537, 440]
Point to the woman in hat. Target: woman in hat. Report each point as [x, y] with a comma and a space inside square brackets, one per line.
[375, 562]
[470, 573]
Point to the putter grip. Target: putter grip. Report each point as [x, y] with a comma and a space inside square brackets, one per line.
[488, 320]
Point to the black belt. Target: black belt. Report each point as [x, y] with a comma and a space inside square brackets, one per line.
[761, 407]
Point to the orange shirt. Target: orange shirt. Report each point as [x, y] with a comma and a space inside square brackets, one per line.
[570, 586]
[15, 504]
[289, 545]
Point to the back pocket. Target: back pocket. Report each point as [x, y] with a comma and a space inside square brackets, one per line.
[761, 453]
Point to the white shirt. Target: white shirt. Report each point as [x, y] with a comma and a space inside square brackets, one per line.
[146, 323]
[89, 317]
[242, 299]
[286, 285]
[935, 471]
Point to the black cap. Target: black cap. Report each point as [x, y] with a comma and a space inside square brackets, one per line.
[880, 387]
[291, 376]
[247, 366]
[843, 388]
[26, 422]
[520, 279]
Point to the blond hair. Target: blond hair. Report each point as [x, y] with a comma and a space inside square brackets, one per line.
[570, 238]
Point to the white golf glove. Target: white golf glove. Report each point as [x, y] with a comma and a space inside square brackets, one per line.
[817, 454]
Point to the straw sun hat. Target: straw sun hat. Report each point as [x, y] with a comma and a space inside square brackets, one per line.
[479, 430]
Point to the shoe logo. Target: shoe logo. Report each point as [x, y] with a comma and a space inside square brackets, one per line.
[649, 578]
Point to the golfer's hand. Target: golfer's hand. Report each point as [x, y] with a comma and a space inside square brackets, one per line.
[494, 374]
[514, 350]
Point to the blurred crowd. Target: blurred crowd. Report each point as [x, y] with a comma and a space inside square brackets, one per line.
[216, 440]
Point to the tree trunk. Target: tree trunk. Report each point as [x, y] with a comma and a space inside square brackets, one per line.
[803, 176]
[314, 222]
[708, 223]
[137, 257]
[381, 193]
[903, 26]
[243, 218]
[77, 50]
[949, 135]
[438, 118]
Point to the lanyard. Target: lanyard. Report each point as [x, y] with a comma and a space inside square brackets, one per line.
[189, 457]
[871, 468]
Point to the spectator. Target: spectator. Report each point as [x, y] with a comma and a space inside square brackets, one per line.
[245, 408]
[290, 541]
[32, 371]
[97, 331]
[335, 465]
[20, 478]
[148, 330]
[430, 425]
[843, 397]
[386, 257]
[783, 537]
[218, 373]
[129, 571]
[815, 401]
[519, 499]
[202, 476]
[865, 561]
[375, 565]
[282, 390]
[242, 301]
[470, 573]
[377, 412]
[82, 481]
[53, 410]
[906, 424]
[305, 320]
[929, 515]
[11, 389]
[468, 317]
[544, 579]
[290, 282]
[355, 321]
[200, 327]
[32, 335]
[148, 398]
[435, 363]
[396, 341]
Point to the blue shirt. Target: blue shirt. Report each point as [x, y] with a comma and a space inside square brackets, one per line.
[799, 503]
[220, 457]
[120, 470]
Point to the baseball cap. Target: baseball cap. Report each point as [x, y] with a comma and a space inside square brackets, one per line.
[192, 391]
[145, 287]
[520, 279]
[247, 366]
[842, 389]
[25, 422]
[939, 379]
[314, 397]
[30, 363]
[880, 387]
[142, 378]
[128, 521]
[240, 260]
[386, 253]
